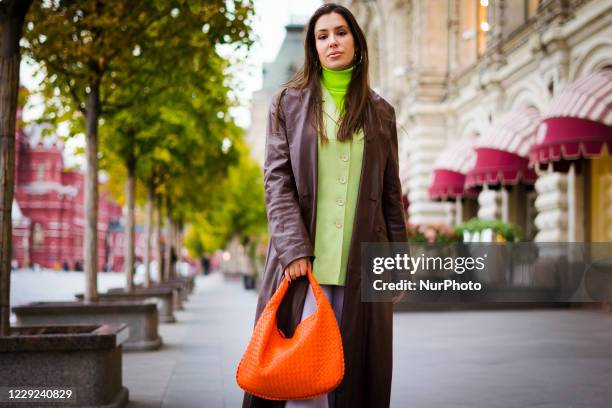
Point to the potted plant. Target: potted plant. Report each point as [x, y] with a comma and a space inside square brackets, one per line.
[430, 241]
[432, 234]
[502, 231]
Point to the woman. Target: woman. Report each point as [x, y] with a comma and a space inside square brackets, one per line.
[331, 168]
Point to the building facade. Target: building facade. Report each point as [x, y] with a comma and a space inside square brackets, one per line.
[48, 214]
[289, 59]
[474, 80]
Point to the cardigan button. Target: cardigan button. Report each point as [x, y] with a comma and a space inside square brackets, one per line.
[342, 180]
[338, 224]
[344, 158]
[340, 202]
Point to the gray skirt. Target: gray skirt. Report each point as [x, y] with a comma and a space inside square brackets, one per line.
[335, 295]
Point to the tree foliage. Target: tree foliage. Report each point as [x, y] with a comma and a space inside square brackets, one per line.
[101, 58]
[87, 43]
[236, 208]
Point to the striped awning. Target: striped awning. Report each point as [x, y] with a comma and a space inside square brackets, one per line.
[449, 172]
[578, 123]
[502, 152]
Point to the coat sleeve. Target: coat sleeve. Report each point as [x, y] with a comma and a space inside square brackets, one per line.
[392, 192]
[288, 233]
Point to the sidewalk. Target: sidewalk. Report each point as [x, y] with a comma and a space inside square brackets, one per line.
[196, 366]
[540, 358]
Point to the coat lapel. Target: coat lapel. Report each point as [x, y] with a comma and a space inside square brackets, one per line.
[308, 168]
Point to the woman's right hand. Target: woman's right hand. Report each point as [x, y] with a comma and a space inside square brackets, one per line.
[298, 268]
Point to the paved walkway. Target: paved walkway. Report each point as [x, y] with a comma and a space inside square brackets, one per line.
[196, 367]
[470, 359]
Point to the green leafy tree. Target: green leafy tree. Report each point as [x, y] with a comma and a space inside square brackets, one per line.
[236, 208]
[173, 143]
[90, 50]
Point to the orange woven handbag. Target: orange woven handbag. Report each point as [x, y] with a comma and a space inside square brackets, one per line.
[304, 366]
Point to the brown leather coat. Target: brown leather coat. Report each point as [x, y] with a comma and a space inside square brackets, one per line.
[291, 186]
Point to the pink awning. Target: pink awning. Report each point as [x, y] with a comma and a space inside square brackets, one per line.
[449, 171]
[579, 122]
[495, 167]
[448, 184]
[502, 151]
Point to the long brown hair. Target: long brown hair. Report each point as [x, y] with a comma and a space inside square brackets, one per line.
[357, 99]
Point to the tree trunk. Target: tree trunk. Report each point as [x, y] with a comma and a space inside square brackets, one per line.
[10, 33]
[169, 249]
[9, 72]
[90, 247]
[129, 225]
[148, 232]
[160, 247]
[174, 250]
[177, 246]
[179, 238]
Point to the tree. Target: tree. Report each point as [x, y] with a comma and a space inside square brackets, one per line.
[12, 15]
[176, 136]
[236, 208]
[90, 51]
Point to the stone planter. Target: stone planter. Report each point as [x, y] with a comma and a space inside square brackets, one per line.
[162, 297]
[189, 282]
[179, 285]
[177, 292]
[83, 358]
[141, 317]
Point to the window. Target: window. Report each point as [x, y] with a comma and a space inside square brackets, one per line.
[482, 27]
[519, 207]
[531, 8]
[600, 197]
[40, 172]
[38, 235]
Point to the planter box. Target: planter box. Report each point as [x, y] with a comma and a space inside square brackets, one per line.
[140, 317]
[83, 358]
[189, 282]
[182, 285]
[177, 292]
[162, 297]
[186, 282]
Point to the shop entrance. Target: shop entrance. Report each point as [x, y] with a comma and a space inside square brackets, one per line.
[599, 220]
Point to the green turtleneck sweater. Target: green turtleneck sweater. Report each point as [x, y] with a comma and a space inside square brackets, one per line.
[337, 83]
[339, 173]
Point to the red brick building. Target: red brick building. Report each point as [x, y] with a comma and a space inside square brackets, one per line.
[48, 213]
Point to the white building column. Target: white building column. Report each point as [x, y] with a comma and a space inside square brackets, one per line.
[489, 204]
[426, 141]
[552, 207]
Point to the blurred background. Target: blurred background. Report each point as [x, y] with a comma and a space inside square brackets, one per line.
[504, 112]
[480, 89]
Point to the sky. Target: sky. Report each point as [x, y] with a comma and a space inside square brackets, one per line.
[269, 22]
[271, 16]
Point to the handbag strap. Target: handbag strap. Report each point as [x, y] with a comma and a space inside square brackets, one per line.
[278, 296]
